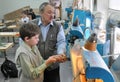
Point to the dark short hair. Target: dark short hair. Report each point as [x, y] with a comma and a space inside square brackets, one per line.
[25, 12]
[29, 30]
[43, 5]
[31, 10]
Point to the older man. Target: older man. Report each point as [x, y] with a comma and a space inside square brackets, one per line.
[52, 39]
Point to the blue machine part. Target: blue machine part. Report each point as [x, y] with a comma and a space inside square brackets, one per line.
[76, 31]
[69, 11]
[68, 47]
[103, 49]
[85, 17]
[96, 67]
[100, 48]
[116, 65]
[87, 33]
[116, 69]
[66, 24]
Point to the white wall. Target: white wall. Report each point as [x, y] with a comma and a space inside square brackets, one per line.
[7, 6]
[102, 5]
[114, 4]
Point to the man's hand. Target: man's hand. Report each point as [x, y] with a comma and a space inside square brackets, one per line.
[50, 60]
[56, 58]
[61, 58]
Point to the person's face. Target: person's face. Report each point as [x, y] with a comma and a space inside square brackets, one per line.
[30, 17]
[23, 15]
[33, 40]
[48, 14]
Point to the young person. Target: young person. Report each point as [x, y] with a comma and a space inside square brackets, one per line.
[28, 59]
[31, 12]
[24, 16]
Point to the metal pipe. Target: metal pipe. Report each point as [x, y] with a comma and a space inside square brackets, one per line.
[110, 55]
[112, 45]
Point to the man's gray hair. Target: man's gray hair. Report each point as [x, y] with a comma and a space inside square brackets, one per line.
[43, 5]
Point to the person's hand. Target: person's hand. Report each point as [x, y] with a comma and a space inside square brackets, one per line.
[60, 58]
[50, 60]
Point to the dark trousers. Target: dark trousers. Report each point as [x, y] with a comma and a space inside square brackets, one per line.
[51, 76]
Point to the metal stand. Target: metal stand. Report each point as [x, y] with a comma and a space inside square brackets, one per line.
[112, 45]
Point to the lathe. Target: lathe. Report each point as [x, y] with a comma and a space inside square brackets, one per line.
[87, 64]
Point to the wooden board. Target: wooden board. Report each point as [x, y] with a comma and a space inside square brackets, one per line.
[5, 46]
[15, 14]
[78, 64]
[9, 34]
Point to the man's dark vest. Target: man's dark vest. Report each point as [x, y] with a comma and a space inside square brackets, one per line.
[48, 48]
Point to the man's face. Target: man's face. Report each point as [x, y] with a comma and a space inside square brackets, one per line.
[48, 14]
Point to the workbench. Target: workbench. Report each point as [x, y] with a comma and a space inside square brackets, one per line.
[4, 47]
[9, 34]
